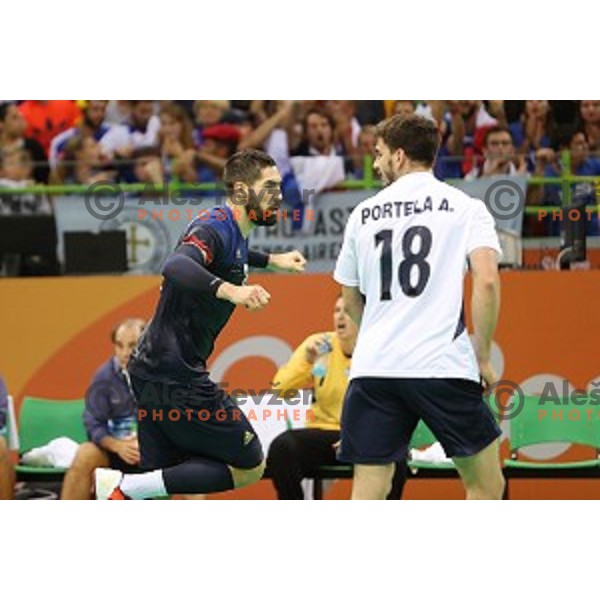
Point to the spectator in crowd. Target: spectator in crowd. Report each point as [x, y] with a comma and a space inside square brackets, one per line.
[47, 118]
[83, 163]
[589, 121]
[318, 138]
[147, 166]
[16, 172]
[548, 164]
[405, 107]
[535, 127]
[322, 362]
[12, 137]
[7, 470]
[92, 125]
[208, 113]
[500, 156]
[370, 112]
[109, 418]
[118, 112]
[270, 131]
[219, 143]
[464, 125]
[317, 161]
[347, 127]
[367, 139]
[177, 144]
[141, 129]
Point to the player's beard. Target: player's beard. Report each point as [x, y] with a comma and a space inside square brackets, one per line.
[266, 221]
[386, 173]
[258, 215]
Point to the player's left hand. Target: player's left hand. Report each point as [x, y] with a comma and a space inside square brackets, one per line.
[288, 261]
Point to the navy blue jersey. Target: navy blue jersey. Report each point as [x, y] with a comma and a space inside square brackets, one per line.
[181, 336]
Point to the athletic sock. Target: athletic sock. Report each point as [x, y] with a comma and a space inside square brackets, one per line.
[198, 476]
[144, 485]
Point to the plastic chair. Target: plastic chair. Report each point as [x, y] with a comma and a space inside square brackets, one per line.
[41, 421]
[530, 427]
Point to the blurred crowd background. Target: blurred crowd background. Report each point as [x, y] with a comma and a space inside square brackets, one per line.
[317, 144]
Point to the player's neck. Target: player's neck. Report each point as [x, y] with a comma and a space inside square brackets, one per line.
[243, 221]
[412, 168]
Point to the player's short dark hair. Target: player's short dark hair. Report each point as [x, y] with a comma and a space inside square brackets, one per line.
[417, 136]
[245, 166]
[497, 129]
[140, 323]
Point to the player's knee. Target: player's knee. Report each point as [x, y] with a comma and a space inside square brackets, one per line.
[372, 482]
[244, 477]
[88, 457]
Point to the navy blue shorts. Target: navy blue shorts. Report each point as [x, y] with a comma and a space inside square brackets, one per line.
[380, 415]
[176, 423]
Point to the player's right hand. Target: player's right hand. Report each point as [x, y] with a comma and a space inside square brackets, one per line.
[253, 297]
[488, 374]
[129, 450]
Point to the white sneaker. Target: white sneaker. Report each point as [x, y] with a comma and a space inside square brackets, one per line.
[107, 485]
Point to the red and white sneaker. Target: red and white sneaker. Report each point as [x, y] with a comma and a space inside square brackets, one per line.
[107, 485]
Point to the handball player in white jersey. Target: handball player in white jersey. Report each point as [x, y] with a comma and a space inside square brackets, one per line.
[402, 264]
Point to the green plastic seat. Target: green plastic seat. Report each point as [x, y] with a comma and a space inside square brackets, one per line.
[41, 421]
[531, 427]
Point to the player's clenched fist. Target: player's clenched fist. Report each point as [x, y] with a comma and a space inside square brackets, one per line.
[253, 297]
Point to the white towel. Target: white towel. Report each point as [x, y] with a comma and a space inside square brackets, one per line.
[57, 453]
[432, 454]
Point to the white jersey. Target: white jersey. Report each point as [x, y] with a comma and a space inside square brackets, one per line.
[406, 250]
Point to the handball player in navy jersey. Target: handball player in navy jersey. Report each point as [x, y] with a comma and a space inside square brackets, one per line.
[193, 438]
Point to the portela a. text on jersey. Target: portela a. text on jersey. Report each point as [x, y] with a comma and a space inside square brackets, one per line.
[400, 208]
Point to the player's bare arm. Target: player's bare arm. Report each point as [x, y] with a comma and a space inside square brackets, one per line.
[354, 302]
[485, 307]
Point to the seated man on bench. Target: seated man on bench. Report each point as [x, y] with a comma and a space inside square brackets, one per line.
[109, 417]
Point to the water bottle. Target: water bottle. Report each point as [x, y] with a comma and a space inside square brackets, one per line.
[320, 367]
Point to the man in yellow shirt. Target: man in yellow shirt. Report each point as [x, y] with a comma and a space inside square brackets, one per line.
[321, 362]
